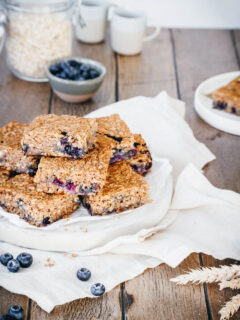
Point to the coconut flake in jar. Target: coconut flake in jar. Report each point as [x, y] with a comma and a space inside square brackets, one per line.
[34, 40]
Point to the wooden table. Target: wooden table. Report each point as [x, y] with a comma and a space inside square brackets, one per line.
[177, 61]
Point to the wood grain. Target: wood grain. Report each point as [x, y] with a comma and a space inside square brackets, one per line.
[150, 72]
[104, 308]
[20, 100]
[153, 296]
[201, 54]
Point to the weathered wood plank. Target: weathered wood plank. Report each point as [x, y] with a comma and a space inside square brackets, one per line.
[107, 307]
[20, 100]
[149, 73]
[201, 54]
[153, 296]
[104, 308]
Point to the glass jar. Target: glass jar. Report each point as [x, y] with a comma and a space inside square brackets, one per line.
[38, 32]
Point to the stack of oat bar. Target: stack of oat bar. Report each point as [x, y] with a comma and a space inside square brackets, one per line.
[55, 163]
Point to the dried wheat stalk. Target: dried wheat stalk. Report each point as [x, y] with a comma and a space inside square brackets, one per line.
[209, 275]
[230, 308]
[232, 284]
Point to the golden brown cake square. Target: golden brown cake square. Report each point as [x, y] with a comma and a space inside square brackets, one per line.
[227, 98]
[59, 136]
[114, 128]
[11, 155]
[124, 189]
[142, 162]
[80, 176]
[20, 195]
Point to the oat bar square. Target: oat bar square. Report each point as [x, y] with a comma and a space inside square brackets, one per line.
[123, 190]
[59, 136]
[142, 163]
[11, 156]
[114, 128]
[19, 195]
[227, 98]
[81, 176]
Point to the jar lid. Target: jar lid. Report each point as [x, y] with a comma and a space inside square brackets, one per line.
[32, 5]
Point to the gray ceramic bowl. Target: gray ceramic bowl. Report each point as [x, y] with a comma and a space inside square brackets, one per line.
[76, 91]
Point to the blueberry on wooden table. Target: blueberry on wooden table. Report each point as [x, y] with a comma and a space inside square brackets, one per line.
[97, 289]
[13, 265]
[25, 259]
[83, 274]
[16, 312]
[5, 257]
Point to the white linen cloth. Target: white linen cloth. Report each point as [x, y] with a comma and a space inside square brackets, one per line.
[202, 218]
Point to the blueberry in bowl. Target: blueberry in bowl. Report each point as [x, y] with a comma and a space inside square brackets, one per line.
[75, 79]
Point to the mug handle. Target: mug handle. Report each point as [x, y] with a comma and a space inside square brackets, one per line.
[153, 35]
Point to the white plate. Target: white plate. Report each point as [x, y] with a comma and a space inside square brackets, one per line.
[221, 120]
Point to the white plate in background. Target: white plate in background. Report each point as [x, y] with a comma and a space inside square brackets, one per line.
[221, 120]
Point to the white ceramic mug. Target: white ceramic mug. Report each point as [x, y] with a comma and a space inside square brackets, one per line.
[91, 22]
[128, 31]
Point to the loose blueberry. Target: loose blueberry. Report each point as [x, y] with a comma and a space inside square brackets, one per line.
[25, 259]
[97, 289]
[93, 74]
[13, 265]
[83, 274]
[84, 68]
[74, 64]
[16, 312]
[54, 69]
[5, 258]
[7, 317]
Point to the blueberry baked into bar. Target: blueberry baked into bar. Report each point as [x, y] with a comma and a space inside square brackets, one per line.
[124, 189]
[19, 195]
[11, 155]
[59, 136]
[114, 128]
[142, 162]
[227, 98]
[80, 176]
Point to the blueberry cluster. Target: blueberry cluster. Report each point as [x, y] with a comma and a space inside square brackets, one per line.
[97, 289]
[24, 260]
[14, 313]
[74, 70]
